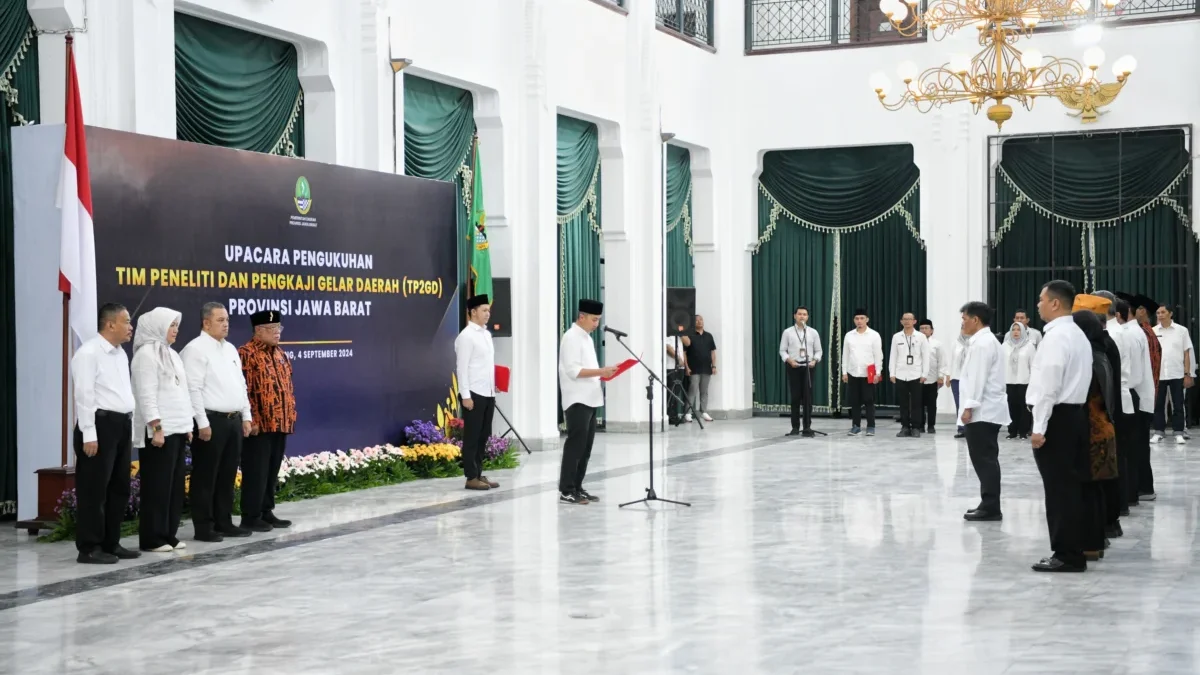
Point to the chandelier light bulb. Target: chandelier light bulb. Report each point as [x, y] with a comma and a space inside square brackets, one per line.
[907, 70]
[960, 63]
[1088, 34]
[885, 6]
[1093, 57]
[880, 83]
[899, 10]
[1031, 18]
[1032, 59]
[1124, 66]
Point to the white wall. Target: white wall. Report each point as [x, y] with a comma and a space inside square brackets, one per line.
[528, 60]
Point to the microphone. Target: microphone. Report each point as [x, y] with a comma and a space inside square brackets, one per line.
[614, 331]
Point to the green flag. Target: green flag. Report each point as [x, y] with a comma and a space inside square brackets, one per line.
[481, 256]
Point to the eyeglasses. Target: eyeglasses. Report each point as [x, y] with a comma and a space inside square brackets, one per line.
[273, 328]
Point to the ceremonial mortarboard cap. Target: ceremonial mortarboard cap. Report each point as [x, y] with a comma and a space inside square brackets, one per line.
[591, 307]
[264, 317]
[476, 301]
[1091, 303]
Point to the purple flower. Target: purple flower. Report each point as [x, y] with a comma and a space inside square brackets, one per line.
[423, 433]
[496, 446]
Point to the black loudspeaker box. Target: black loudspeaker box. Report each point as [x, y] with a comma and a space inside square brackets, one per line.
[501, 322]
[681, 310]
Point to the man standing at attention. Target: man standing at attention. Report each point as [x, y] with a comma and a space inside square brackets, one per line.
[103, 438]
[936, 371]
[981, 389]
[1134, 447]
[1174, 375]
[1058, 388]
[268, 373]
[475, 368]
[862, 348]
[1022, 317]
[579, 374]
[800, 349]
[221, 409]
[910, 353]
[701, 356]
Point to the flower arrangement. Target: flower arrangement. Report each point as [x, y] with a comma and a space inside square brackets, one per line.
[428, 455]
[456, 425]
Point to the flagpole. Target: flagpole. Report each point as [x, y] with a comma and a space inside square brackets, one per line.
[66, 311]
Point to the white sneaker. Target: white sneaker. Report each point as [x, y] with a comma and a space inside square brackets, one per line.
[687, 417]
[181, 545]
[1180, 440]
[1156, 438]
[165, 548]
[704, 416]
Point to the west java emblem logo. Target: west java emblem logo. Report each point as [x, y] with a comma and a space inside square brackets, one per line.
[303, 196]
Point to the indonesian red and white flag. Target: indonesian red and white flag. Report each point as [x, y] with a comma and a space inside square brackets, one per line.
[77, 260]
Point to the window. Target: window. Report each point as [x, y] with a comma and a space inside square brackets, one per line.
[689, 18]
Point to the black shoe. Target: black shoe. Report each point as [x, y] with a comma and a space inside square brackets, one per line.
[588, 496]
[124, 553]
[1147, 496]
[808, 433]
[1024, 437]
[930, 430]
[96, 558]
[277, 523]
[915, 433]
[1011, 437]
[960, 435]
[982, 516]
[1114, 531]
[234, 531]
[904, 433]
[793, 432]
[973, 510]
[256, 525]
[1053, 564]
[213, 537]
[571, 498]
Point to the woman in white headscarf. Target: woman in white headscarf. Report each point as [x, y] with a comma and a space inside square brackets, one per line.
[1019, 349]
[162, 423]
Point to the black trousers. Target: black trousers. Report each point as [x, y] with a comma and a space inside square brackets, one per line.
[262, 455]
[861, 393]
[477, 426]
[929, 397]
[1114, 496]
[581, 432]
[677, 382]
[1093, 515]
[1175, 389]
[1022, 418]
[1145, 473]
[799, 380]
[908, 397]
[1063, 463]
[162, 473]
[1129, 430]
[985, 457]
[214, 470]
[102, 482]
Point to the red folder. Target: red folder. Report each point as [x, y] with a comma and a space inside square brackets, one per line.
[622, 367]
[503, 373]
[872, 374]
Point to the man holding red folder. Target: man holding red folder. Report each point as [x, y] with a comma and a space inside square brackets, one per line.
[579, 374]
[475, 368]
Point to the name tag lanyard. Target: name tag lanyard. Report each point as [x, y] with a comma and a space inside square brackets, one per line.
[908, 340]
[803, 342]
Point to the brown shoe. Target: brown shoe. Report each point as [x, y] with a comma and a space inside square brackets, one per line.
[491, 483]
[477, 484]
[1092, 556]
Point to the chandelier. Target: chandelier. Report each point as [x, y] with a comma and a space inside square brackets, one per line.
[999, 72]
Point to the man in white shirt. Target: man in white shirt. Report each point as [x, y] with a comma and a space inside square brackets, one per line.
[221, 408]
[1116, 496]
[1058, 388]
[475, 368]
[103, 438]
[579, 374]
[677, 379]
[800, 349]
[1022, 317]
[1133, 446]
[862, 349]
[1174, 375]
[907, 365]
[981, 388]
[937, 368]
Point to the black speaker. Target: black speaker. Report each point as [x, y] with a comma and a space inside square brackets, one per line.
[681, 310]
[501, 322]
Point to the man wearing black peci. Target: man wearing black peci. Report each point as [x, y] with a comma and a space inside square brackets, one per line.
[103, 438]
[800, 349]
[475, 367]
[1058, 388]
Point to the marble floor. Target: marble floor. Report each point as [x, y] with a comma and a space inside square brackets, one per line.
[835, 555]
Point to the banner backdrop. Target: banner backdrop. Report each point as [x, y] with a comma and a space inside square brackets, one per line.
[361, 264]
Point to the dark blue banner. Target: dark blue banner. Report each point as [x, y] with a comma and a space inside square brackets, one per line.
[361, 264]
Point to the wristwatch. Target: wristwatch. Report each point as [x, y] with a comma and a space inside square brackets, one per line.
[155, 428]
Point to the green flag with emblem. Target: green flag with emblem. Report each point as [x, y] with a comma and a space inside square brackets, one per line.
[481, 256]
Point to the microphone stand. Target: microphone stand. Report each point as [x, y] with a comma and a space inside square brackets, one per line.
[651, 495]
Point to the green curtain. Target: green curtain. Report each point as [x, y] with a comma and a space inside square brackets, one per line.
[838, 229]
[680, 265]
[21, 94]
[579, 223]
[237, 89]
[439, 130]
[1103, 211]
